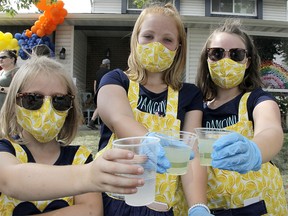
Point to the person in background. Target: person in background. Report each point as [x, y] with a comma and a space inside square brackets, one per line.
[8, 60]
[242, 179]
[104, 68]
[149, 97]
[42, 50]
[88, 103]
[39, 120]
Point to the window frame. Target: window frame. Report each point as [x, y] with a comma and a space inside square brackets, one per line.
[209, 13]
[126, 10]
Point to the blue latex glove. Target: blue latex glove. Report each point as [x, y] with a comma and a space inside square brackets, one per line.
[198, 211]
[162, 162]
[151, 151]
[235, 152]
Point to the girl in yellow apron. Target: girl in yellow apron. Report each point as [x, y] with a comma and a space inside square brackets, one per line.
[39, 119]
[9, 206]
[242, 180]
[150, 96]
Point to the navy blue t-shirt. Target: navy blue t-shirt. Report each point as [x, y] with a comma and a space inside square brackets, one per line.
[227, 114]
[190, 98]
[66, 157]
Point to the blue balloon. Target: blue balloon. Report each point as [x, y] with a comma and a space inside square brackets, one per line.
[45, 38]
[17, 36]
[20, 42]
[26, 44]
[24, 56]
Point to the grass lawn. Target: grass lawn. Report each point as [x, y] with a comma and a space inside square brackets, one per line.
[89, 138]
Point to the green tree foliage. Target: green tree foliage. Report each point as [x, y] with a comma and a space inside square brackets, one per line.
[282, 100]
[142, 3]
[270, 46]
[10, 7]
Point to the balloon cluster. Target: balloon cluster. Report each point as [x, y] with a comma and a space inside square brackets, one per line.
[27, 44]
[47, 22]
[8, 42]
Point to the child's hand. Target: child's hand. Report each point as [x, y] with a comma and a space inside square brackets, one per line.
[106, 172]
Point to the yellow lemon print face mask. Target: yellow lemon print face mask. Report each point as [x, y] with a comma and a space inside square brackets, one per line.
[43, 124]
[155, 57]
[227, 73]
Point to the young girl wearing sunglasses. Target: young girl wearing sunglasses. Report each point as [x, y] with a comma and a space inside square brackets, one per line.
[39, 119]
[8, 60]
[242, 180]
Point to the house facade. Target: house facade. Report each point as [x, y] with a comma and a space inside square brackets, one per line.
[88, 38]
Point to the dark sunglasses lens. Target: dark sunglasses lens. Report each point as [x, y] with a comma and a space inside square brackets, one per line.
[215, 54]
[237, 54]
[62, 103]
[32, 101]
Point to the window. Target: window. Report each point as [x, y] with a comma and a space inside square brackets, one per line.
[246, 8]
[135, 6]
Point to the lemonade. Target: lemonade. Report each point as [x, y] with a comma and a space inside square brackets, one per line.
[206, 138]
[145, 154]
[178, 158]
[178, 146]
[145, 194]
[205, 150]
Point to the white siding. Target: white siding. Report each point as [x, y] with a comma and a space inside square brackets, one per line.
[275, 10]
[195, 41]
[107, 6]
[80, 59]
[192, 7]
[64, 38]
[272, 9]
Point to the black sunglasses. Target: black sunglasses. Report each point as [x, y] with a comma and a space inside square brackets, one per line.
[236, 54]
[34, 101]
[3, 57]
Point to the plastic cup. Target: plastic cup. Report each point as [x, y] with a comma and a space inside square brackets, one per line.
[178, 155]
[146, 150]
[206, 138]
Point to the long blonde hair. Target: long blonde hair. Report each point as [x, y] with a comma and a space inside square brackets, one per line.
[25, 76]
[172, 76]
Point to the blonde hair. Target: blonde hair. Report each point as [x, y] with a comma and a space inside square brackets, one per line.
[173, 76]
[25, 76]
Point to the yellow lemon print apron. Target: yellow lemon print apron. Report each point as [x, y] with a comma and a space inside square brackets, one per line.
[228, 189]
[166, 185]
[7, 204]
